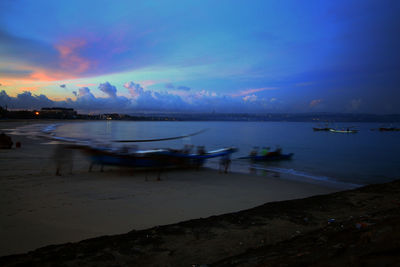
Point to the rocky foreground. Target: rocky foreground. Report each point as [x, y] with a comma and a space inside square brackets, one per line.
[358, 227]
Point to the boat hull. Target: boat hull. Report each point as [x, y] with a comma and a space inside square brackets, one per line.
[343, 131]
[161, 158]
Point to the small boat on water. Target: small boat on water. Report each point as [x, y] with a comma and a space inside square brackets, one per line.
[322, 128]
[326, 129]
[343, 131]
[388, 129]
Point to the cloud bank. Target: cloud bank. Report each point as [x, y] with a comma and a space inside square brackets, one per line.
[143, 100]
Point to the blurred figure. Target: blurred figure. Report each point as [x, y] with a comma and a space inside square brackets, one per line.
[224, 163]
[254, 151]
[187, 149]
[63, 157]
[278, 150]
[5, 141]
[201, 150]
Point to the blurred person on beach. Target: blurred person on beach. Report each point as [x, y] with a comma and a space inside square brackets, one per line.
[254, 151]
[63, 157]
[201, 150]
[187, 149]
[224, 163]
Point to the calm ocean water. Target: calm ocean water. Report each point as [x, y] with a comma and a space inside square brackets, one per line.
[363, 158]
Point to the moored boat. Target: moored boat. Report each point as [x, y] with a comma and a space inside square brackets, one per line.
[343, 131]
[326, 129]
[389, 129]
[322, 127]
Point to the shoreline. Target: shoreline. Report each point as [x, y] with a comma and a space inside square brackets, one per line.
[289, 174]
[42, 208]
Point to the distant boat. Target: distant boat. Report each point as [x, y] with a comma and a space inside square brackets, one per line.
[343, 131]
[322, 127]
[326, 129]
[388, 129]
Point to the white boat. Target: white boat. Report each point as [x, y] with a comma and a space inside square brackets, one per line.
[343, 131]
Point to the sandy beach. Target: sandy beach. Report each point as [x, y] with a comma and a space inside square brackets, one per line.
[39, 208]
[123, 217]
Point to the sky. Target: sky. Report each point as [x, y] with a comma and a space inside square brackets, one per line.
[201, 56]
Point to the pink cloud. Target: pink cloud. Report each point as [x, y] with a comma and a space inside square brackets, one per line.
[135, 89]
[71, 64]
[70, 58]
[147, 83]
[252, 91]
[48, 76]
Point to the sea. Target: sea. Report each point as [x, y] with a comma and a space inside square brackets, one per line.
[347, 160]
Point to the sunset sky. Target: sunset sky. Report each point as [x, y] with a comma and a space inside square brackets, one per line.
[225, 56]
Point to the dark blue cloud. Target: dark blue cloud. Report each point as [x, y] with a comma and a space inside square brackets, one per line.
[108, 89]
[27, 100]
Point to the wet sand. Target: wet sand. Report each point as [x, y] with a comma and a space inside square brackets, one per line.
[38, 208]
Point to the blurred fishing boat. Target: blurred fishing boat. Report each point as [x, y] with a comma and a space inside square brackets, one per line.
[343, 131]
[153, 159]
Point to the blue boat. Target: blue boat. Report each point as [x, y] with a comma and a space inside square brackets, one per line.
[153, 159]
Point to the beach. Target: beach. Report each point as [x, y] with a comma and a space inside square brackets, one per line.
[142, 218]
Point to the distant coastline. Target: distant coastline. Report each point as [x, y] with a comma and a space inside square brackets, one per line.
[325, 117]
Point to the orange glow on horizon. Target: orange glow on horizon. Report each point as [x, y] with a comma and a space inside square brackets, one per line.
[29, 88]
[48, 76]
